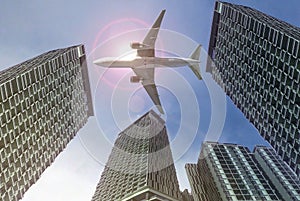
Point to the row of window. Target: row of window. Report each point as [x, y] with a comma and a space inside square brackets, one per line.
[272, 160]
[111, 178]
[22, 83]
[35, 96]
[287, 100]
[254, 114]
[287, 178]
[233, 19]
[47, 110]
[291, 71]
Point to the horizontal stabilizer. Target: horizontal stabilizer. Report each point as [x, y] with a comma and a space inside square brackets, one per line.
[195, 67]
[196, 54]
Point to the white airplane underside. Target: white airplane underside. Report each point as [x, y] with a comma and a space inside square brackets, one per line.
[146, 61]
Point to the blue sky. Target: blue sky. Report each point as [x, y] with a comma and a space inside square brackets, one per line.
[29, 28]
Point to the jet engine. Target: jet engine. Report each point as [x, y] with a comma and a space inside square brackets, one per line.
[135, 79]
[137, 45]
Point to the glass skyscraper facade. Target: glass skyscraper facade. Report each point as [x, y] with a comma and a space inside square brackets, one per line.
[44, 102]
[256, 60]
[228, 172]
[140, 166]
[279, 173]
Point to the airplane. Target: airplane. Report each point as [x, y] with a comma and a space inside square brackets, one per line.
[144, 64]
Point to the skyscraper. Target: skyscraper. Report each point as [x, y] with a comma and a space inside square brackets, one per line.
[140, 166]
[257, 63]
[279, 173]
[44, 102]
[228, 172]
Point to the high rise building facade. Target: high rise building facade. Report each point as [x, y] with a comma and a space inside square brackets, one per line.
[44, 102]
[203, 187]
[228, 172]
[284, 180]
[140, 166]
[257, 62]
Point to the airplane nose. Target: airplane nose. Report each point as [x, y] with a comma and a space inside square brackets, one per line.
[100, 62]
[104, 62]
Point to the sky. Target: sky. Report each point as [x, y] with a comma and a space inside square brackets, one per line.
[195, 110]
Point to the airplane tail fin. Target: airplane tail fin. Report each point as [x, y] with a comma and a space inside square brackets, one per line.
[160, 109]
[195, 67]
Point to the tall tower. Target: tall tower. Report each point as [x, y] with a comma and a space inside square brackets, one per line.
[228, 172]
[140, 166]
[257, 63]
[279, 173]
[44, 102]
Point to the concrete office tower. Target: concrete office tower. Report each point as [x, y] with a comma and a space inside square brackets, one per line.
[279, 173]
[44, 102]
[257, 63]
[228, 172]
[140, 166]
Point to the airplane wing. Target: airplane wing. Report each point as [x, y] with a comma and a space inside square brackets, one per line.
[148, 83]
[150, 38]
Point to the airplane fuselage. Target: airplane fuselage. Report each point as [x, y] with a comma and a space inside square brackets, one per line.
[145, 62]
